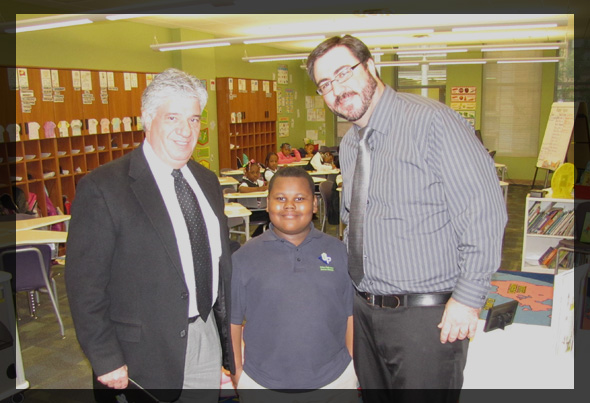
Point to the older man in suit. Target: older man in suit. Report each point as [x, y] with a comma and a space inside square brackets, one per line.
[135, 266]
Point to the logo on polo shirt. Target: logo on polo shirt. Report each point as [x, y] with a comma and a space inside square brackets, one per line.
[326, 259]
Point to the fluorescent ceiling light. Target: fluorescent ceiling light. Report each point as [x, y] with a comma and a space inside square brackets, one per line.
[393, 64]
[528, 61]
[395, 32]
[457, 62]
[50, 25]
[503, 27]
[429, 55]
[116, 17]
[284, 39]
[520, 48]
[274, 58]
[420, 52]
[193, 46]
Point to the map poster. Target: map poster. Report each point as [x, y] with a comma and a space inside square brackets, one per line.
[533, 291]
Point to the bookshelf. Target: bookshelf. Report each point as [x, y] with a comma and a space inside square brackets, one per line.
[71, 122]
[246, 115]
[547, 221]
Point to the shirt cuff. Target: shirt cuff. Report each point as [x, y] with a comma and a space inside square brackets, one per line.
[471, 293]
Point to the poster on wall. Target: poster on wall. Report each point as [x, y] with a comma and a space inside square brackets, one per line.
[463, 100]
[283, 127]
[201, 155]
[203, 137]
[283, 74]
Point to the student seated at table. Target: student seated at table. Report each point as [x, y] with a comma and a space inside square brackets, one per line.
[251, 182]
[291, 286]
[308, 150]
[272, 165]
[322, 160]
[288, 155]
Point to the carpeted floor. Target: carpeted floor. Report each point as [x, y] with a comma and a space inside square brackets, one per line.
[51, 362]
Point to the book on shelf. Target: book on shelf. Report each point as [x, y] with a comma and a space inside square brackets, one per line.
[546, 255]
[534, 211]
[541, 218]
[549, 218]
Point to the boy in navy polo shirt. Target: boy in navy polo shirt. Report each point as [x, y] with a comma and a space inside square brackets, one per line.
[292, 293]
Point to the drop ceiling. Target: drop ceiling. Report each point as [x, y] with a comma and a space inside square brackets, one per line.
[243, 25]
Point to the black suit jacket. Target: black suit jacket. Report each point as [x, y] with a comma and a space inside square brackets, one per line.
[124, 278]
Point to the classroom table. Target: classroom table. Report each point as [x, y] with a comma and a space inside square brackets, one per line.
[504, 186]
[236, 210]
[251, 195]
[334, 171]
[501, 170]
[38, 222]
[32, 237]
[237, 174]
[249, 199]
[228, 181]
[294, 164]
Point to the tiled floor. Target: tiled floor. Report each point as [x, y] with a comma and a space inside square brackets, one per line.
[51, 362]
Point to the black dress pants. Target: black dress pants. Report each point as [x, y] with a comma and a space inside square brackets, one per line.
[398, 355]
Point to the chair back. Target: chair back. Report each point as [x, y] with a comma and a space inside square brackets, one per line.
[29, 266]
[326, 193]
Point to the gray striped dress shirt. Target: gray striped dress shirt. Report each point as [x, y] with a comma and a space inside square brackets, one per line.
[435, 215]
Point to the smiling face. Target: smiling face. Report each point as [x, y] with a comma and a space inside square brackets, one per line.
[291, 205]
[174, 130]
[353, 98]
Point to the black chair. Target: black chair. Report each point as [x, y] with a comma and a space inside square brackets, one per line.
[326, 195]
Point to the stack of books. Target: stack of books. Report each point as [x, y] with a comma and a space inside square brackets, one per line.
[550, 221]
[565, 259]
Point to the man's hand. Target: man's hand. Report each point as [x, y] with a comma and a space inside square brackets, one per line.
[117, 379]
[458, 321]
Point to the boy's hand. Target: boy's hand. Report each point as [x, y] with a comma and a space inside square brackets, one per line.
[236, 378]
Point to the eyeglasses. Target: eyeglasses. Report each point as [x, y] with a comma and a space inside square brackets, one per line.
[343, 75]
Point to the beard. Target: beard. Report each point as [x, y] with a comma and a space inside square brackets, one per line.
[366, 96]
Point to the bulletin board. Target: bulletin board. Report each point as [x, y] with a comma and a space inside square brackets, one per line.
[558, 135]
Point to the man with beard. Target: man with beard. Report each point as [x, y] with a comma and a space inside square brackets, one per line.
[425, 217]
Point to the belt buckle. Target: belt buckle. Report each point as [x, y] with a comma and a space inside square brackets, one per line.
[371, 299]
[399, 302]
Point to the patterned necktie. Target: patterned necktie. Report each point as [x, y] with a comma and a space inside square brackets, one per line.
[358, 206]
[199, 238]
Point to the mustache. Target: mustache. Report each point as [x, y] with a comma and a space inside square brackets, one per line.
[343, 96]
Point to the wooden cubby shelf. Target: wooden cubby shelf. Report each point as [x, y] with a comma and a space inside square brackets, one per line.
[80, 117]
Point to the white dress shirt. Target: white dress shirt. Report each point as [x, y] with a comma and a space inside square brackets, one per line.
[163, 176]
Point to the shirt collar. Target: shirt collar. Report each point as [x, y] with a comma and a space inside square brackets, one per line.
[271, 236]
[158, 166]
[380, 119]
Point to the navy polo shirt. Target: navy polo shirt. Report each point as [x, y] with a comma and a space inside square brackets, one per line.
[295, 301]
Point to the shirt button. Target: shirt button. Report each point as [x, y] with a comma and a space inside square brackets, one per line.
[299, 259]
[182, 333]
[184, 295]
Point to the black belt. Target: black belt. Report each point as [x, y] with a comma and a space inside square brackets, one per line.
[396, 301]
[193, 319]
